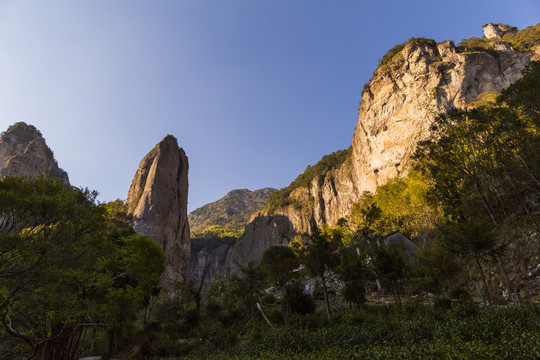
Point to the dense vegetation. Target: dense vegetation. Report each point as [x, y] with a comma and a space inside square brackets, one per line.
[459, 331]
[68, 265]
[213, 237]
[522, 40]
[233, 211]
[281, 199]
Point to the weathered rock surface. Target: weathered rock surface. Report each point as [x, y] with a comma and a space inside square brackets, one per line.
[397, 110]
[23, 152]
[157, 206]
[232, 211]
[497, 31]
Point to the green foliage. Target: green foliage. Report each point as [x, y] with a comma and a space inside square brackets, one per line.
[391, 267]
[487, 163]
[320, 256]
[401, 204]
[523, 40]
[355, 273]
[300, 302]
[475, 44]
[415, 332]
[436, 269]
[281, 199]
[213, 237]
[278, 262]
[391, 53]
[62, 266]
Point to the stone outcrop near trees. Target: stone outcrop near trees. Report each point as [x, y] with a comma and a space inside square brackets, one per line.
[157, 206]
[23, 152]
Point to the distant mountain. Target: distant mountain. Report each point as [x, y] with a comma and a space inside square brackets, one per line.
[231, 211]
[23, 152]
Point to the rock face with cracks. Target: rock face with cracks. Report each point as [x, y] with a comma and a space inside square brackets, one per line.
[23, 152]
[157, 206]
[399, 105]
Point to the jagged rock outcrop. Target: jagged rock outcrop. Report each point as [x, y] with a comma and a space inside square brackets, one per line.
[414, 82]
[23, 152]
[497, 31]
[260, 234]
[232, 211]
[157, 206]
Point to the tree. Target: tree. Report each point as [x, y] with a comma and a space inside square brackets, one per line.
[436, 268]
[59, 270]
[473, 239]
[321, 256]
[353, 270]
[391, 266]
[278, 262]
[485, 164]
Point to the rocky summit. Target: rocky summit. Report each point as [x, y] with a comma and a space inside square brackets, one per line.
[23, 152]
[157, 206]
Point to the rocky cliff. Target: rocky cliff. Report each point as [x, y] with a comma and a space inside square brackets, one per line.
[413, 83]
[157, 206]
[23, 152]
[232, 211]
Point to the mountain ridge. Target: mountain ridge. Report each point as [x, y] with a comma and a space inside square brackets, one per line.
[231, 211]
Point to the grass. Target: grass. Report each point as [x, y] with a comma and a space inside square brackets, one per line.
[415, 331]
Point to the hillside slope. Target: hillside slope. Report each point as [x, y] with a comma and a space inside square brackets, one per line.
[232, 211]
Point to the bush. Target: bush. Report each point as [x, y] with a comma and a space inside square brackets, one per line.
[300, 302]
[442, 303]
[459, 293]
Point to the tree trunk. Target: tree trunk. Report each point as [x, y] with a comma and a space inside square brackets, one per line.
[488, 296]
[515, 297]
[479, 289]
[326, 301]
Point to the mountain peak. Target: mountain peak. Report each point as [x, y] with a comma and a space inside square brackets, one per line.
[24, 152]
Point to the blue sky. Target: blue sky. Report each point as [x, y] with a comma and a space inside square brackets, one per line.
[253, 90]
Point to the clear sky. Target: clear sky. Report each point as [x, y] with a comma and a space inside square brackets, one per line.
[253, 90]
